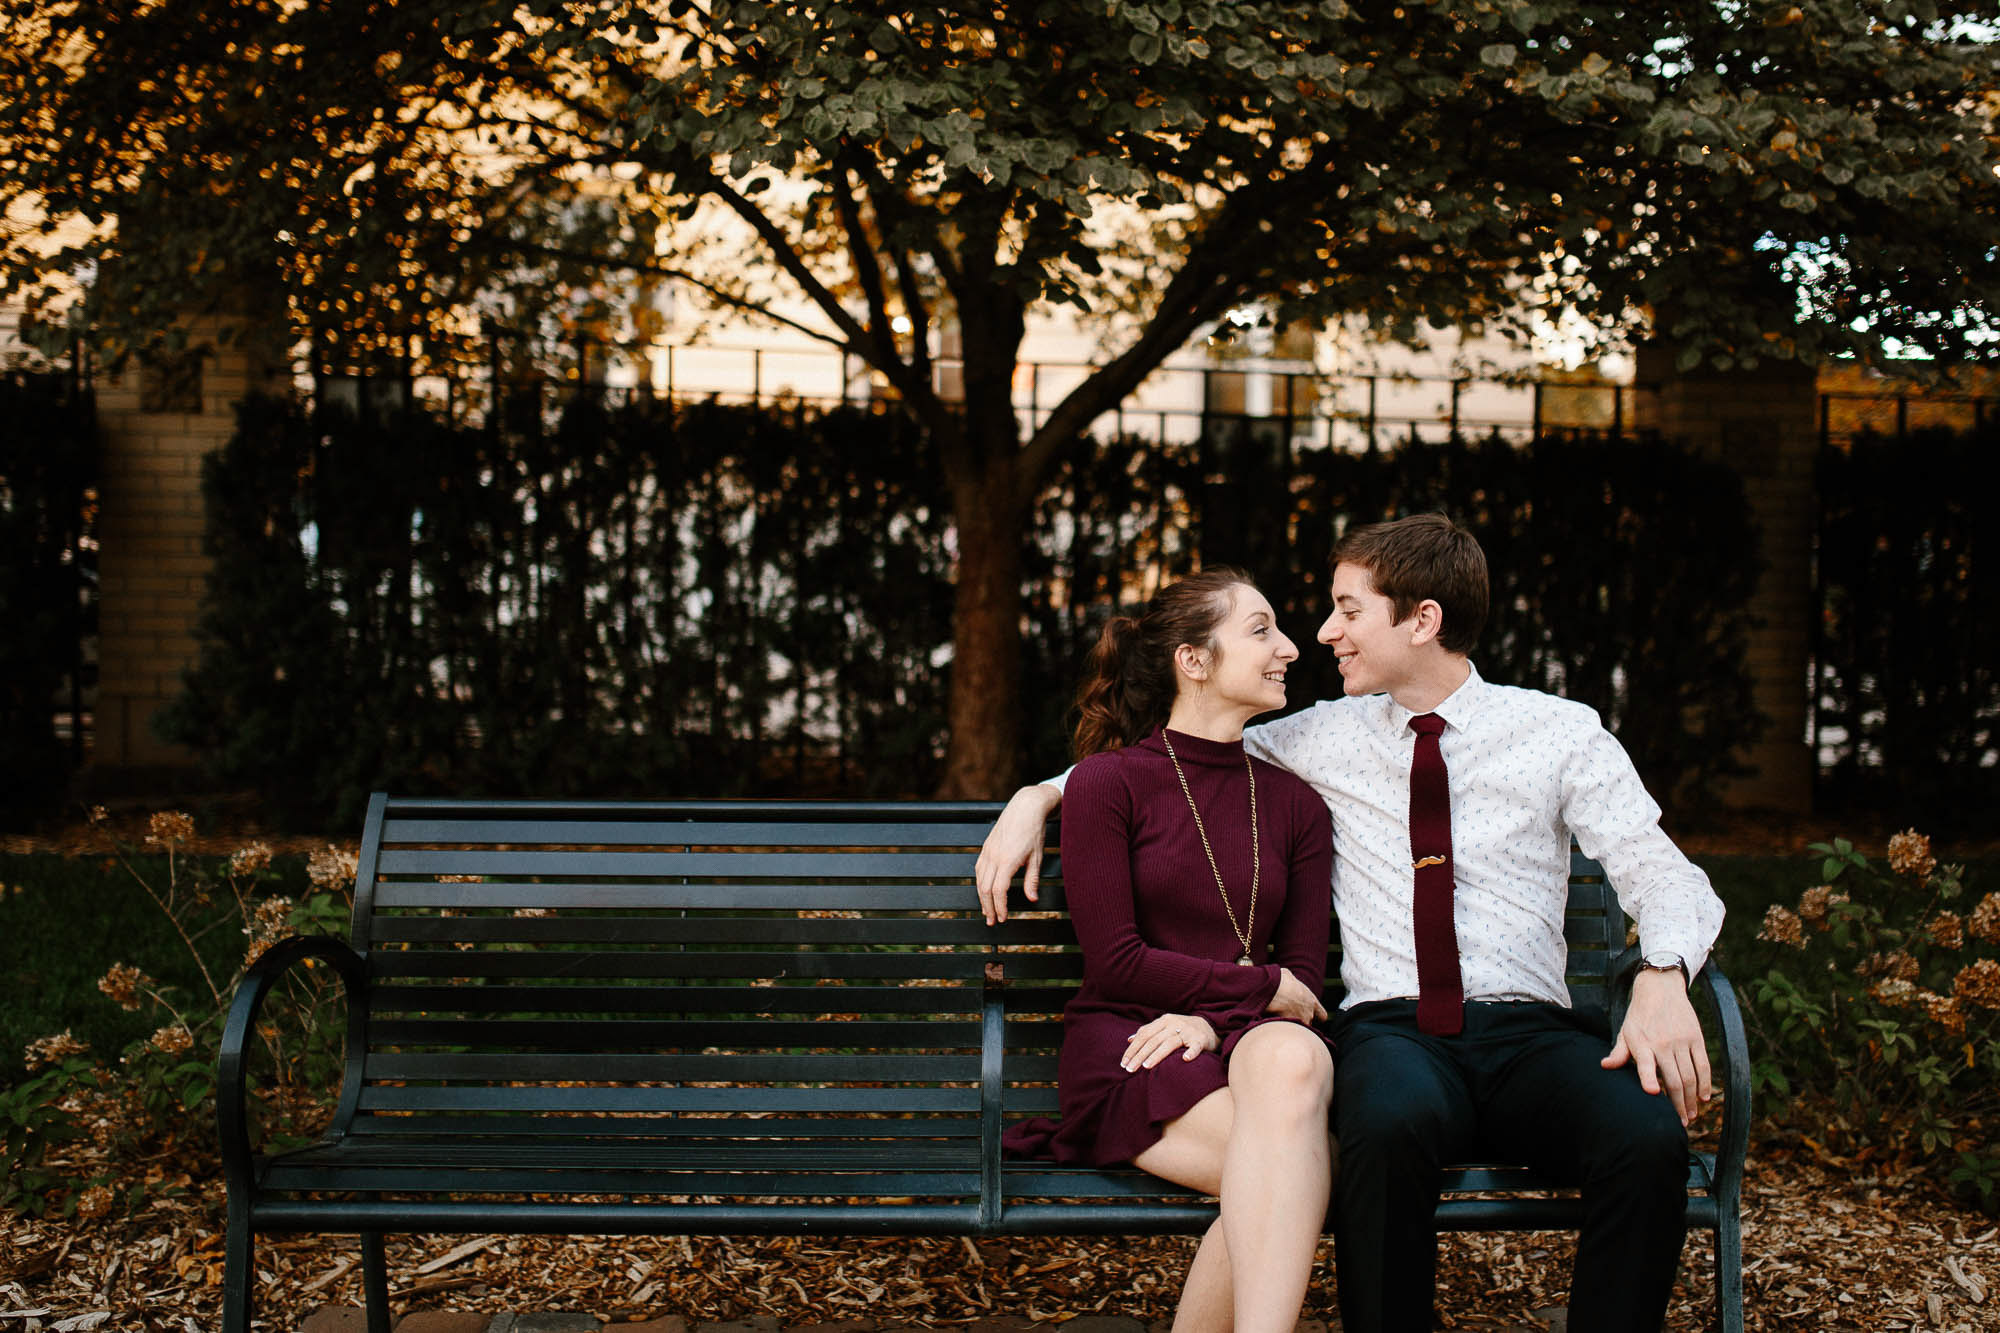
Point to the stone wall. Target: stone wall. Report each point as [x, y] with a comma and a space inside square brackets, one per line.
[1764, 425]
[157, 424]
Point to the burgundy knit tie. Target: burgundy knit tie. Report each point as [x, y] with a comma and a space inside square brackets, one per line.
[1440, 992]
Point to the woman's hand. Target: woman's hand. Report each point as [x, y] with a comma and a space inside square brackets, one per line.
[1295, 1000]
[1166, 1034]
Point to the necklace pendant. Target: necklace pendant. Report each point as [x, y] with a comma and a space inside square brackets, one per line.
[1244, 961]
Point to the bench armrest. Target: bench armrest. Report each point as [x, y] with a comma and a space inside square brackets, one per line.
[1734, 1145]
[1725, 1019]
[231, 1095]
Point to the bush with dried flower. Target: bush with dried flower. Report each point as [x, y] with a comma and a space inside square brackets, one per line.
[1878, 1014]
[160, 1088]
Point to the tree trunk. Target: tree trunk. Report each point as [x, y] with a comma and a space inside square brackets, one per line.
[983, 758]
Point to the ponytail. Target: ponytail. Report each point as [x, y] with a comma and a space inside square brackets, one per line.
[1129, 681]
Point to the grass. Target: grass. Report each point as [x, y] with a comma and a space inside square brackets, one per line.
[65, 919]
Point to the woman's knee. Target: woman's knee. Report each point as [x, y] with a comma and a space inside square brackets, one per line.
[1287, 1065]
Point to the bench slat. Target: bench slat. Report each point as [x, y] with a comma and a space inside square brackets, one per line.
[663, 865]
[965, 929]
[900, 1067]
[736, 965]
[523, 997]
[560, 895]
[775, 1180]
[544, 1127]
[395, 1098]
[577, 1034]
[803, 832]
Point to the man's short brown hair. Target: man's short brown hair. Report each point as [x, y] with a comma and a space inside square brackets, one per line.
[1425, 557]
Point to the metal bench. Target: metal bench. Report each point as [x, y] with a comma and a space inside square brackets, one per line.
[720, 1018]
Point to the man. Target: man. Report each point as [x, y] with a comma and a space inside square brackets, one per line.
[1453, 803]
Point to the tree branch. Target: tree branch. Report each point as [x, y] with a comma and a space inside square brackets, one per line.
[867, 268]
[917, 392]
[729, 298]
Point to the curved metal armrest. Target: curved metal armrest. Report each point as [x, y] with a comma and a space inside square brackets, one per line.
[231, 1107]
[1727, 1016]
[1734, 1146]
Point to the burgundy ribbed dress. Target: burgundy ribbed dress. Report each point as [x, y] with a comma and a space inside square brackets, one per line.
[1156, 940]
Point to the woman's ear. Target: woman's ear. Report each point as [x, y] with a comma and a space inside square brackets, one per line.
[1191, 662]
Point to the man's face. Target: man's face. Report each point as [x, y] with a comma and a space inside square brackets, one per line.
[1375, 652]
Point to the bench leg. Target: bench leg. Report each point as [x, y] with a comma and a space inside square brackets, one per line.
[239, 1247]
[375, 1281]
[1729, 1271]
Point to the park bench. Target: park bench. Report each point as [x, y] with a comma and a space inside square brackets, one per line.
[723, 1017]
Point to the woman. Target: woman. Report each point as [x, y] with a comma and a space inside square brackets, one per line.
[1198, 884]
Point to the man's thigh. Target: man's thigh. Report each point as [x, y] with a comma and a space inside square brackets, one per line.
[1550, 1104]
[1397, 1090]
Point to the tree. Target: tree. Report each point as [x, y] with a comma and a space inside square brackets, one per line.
[1757, 178]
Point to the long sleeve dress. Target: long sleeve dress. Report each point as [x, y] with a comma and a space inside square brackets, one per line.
[1157, 940]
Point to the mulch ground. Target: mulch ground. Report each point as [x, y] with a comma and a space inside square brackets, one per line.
[1829, 1245]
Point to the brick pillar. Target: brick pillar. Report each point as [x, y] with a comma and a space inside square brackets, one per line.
[1763, 423]
[156, 428]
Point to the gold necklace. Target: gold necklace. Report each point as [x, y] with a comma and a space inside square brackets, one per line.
[1256, 856]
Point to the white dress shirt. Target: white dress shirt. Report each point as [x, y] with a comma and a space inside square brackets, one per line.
[1528, 770]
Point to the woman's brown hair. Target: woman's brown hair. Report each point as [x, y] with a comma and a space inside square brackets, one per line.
[1128, 680]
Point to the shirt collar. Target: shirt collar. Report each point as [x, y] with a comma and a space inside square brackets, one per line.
[1457, 708]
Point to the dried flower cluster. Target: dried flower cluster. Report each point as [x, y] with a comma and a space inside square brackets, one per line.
[169, 828]
[1896, 990]
[45, 1051]
[1947, 931]
[1984, 922]
[99, 815]
[124, 984]
[1978, 983]
[1815, 903]
[173, 1039]
[1943, 1010]
[250, 858]
[1781, 926]
[1910, 854]
[270, 921]
[1896, 965]
[333, 868]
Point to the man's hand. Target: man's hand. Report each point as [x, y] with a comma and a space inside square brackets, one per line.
[1295, 1000]
[1662, 1038]
[1014, 841]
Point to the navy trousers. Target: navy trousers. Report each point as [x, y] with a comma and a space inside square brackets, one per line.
[1521, 1084]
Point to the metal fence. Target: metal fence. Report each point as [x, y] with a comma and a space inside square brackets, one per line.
[1285, 398]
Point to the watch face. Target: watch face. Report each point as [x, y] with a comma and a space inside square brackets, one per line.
[1664, 961]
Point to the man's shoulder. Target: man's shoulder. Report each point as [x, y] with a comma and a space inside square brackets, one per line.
[1521, 705]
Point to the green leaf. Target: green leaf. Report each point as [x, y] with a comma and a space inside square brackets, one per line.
[1145, 47]
[1500, 55]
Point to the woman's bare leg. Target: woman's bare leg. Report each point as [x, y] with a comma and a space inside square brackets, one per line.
[1261, 1145]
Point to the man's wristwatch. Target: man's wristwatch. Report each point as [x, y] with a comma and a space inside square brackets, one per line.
[1663, 961]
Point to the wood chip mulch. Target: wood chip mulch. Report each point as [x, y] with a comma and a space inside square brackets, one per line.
[1829, 1245]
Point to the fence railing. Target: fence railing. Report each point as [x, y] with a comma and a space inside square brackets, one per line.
[1846, 414]
[1178, 402]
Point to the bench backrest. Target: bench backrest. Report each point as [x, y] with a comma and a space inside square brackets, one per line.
[540, 968]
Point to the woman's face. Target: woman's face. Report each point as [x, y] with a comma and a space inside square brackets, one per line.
[1247, 658]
